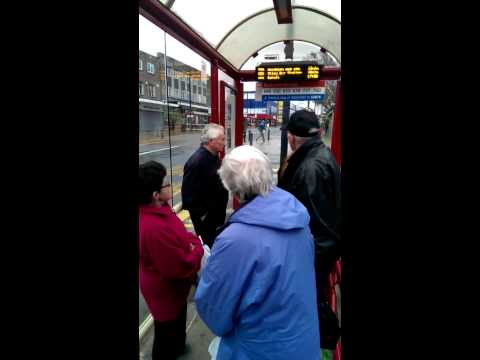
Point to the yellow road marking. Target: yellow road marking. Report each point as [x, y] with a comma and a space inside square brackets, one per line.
[176, 170]
[176, 189]
[183, 215]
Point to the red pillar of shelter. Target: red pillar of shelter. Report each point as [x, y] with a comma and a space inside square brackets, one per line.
[238, 123]
[337, 125]
[239, 113]
[214, 93]
[221, 103]
[336, 150]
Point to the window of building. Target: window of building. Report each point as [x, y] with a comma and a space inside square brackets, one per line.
[140, 64]
[175, 83]
[182, 85]
[204, 91]
[169, 81]
[194, 89]
[150, 68]
[151, 90]
[140, 89]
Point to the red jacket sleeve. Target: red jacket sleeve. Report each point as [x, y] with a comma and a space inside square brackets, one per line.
[170, 251]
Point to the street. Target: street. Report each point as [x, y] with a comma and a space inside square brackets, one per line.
[182, 146]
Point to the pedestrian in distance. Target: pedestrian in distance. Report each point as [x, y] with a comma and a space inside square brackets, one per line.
[261, 129]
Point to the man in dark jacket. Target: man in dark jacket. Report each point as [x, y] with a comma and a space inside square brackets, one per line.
[312, 175]
[203, 194]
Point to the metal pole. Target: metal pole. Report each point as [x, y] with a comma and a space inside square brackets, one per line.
[168, 113]
[214, 93]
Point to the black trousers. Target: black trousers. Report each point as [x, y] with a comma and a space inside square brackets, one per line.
[169, 341]
[207, 226]
[324, 264]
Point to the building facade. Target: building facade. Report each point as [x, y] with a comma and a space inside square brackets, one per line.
[184, 98]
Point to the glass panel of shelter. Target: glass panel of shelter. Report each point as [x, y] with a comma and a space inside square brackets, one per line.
[152, 106]
[174, 106]
[189, 108]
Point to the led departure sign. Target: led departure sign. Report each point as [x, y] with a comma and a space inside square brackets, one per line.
[287, 71]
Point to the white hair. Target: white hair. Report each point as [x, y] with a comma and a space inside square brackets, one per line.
[211, 131]
[300, 140]
[246, 172]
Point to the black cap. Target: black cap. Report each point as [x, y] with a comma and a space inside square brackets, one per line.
[303, 123]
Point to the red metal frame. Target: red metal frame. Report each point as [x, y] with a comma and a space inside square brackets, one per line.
[238, 124]
[221, 120]
[337, 125]
[335, 279]
[283, 10]
[214, 93]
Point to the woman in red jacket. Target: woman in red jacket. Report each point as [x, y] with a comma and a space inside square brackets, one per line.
[169, 260]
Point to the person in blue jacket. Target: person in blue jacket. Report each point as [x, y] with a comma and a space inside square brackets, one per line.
[257, 290]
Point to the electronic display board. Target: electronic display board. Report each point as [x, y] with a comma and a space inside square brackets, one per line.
[288, 71]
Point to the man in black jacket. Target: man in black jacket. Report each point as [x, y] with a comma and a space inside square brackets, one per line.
[312, 175]
[203, 194]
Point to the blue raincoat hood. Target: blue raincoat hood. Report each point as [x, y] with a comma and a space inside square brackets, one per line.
[277, 210]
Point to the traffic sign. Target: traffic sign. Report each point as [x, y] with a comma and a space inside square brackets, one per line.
[291, 91]
[292, 97]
